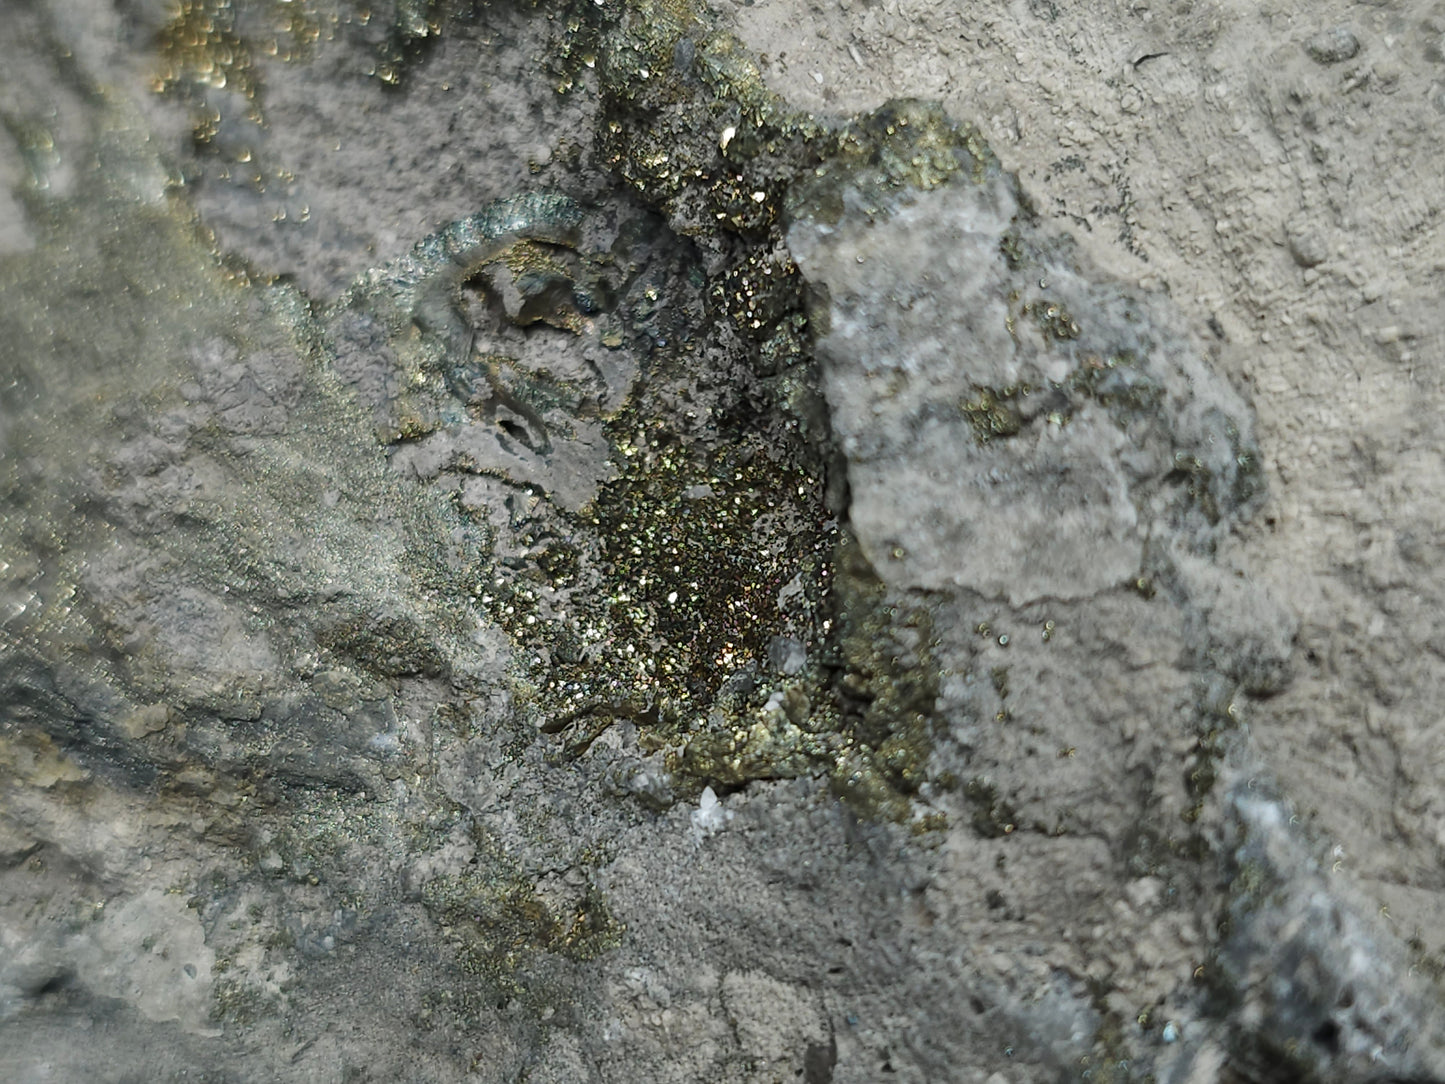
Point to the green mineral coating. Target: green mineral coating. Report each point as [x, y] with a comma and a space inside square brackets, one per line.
[391, 645]
[1169, 857]
[506, 929]
[1119, 384]
[692, 129]
[1198, 484]
[469, 242]
[239, 1003]
[690, 574]
[885, 687]
[200, 46]
[907, 145]
[533, 233]
[992, 816]
[1053, 320]
[1012, 248]
[770, 748]
[672, 575]
[206, 45]
[867, 789]
[991, 412]
[1252, 885]
[688, 597]
[910, 143]
[999, 676]
[786, 348]
[1108, 1060]
[762, 292]
[1249, 484]
[671, 85]
[1202, 774]
[1217, 718]
[692, 554]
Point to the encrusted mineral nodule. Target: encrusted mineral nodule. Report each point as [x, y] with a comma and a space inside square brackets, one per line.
[745, 601]
[1012, 425]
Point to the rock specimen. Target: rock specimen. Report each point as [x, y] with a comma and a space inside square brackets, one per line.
[746, 600]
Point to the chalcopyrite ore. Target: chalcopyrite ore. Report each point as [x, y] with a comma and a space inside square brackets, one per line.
[713, 541]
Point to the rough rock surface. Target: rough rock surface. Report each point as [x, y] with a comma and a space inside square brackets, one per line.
[629, 541]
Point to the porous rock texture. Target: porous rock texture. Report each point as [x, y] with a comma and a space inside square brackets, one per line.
[779, 542]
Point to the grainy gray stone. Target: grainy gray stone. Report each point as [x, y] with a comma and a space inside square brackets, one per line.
[1013, 424]
[1333, 46]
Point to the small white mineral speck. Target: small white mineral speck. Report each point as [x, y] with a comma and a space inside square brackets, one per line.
[709, 817]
